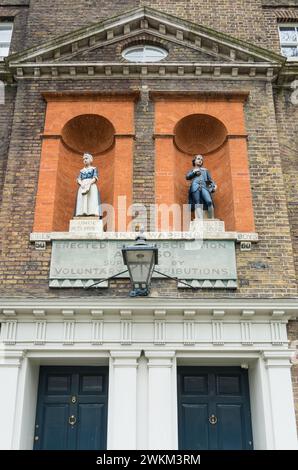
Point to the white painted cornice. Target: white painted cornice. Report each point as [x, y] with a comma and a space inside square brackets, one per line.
[276, 309]
[11, 358]
[164, 70]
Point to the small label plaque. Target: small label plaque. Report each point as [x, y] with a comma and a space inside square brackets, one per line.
[40, 246]
[245, 246]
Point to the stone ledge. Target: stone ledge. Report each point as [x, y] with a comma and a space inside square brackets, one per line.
[49, 236]
[208, 284]
[76, 283]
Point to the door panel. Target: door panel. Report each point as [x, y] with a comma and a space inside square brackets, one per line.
[228, 385]
[91, 419]
[230, 426]
[58, 384]
[194, 417]
[195, 384]
[213, 408]
[72, 408]
[55, 426]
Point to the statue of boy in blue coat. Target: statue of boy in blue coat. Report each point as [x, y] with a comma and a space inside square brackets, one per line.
[202, 186]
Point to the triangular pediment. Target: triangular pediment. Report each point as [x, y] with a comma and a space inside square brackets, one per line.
[86, 45]
[112, 52]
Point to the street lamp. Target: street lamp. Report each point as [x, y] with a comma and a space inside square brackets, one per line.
[140, 260]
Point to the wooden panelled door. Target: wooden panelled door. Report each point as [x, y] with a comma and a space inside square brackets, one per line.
[72, 408]
[214, 408]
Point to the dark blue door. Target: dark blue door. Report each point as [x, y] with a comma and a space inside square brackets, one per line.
[72, 408]
[213, 408]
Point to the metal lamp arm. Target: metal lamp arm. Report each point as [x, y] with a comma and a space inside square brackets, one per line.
[174, 278]
[126, 270]
[106, 279]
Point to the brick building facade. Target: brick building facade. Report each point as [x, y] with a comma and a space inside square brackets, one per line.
[224, 62]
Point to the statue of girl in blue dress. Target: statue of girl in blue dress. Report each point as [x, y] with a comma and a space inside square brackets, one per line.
[88, 198]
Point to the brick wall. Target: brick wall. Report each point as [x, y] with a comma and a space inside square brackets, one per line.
[51, 18]
[266, 271]
[16, 10]
[6, 116]
[287, 115]
[243, 19]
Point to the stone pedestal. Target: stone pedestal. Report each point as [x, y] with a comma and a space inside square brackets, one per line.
[86, 225]
[207, 225]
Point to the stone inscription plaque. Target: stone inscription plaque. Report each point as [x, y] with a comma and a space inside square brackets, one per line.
[98, 259]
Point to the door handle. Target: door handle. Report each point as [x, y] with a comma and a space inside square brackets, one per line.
[72, 420]
[212, 419]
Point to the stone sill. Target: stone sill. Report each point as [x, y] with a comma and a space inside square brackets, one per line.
[219, 235]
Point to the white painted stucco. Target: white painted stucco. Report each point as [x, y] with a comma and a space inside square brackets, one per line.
[143, 343]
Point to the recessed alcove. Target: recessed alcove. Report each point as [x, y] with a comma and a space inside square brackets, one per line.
[69, 166]
[211, 125]
[206, 135]
[100, 124]
[88, 133]
[199, 133]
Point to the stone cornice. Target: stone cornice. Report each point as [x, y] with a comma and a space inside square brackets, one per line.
[5, 74]
[201, 95]
[163, 70]
[177, 70]
[91, 96]
[288, 73]
[275, 309]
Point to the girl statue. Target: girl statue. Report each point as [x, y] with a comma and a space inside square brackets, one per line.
[88, 199]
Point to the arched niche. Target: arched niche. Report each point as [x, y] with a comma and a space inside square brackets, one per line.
[206, 135]
[199, 134]
[90, 133]
[214, 128]
[98, 124]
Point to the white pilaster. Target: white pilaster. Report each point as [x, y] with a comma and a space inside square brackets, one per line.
[161, 413]
[9, 372]
[281, 399]
[122, 415]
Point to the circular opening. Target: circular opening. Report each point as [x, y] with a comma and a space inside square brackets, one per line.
[88, 133]
[199, 133]
[144, 53]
